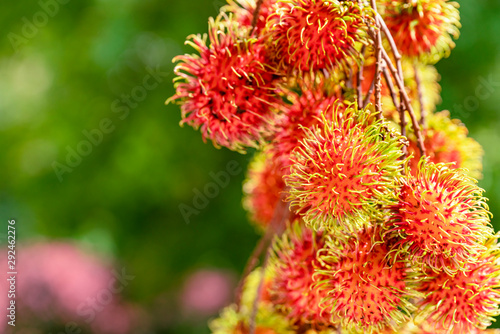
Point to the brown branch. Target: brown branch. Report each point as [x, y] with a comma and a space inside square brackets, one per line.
[369, 93]
[420, 96]
[252, 262]
[407, 103]
[255, 17]
[281, 213]
[378, 65]
[360, 77]
[397, 105]
[277, 227]
[255, 305]
[392, 43]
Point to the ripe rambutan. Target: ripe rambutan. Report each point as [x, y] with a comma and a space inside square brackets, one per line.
[367, 289]
[466, 300]
[293, 263]
[243, 11]
[228, 90]
[310, 35]
[446, 141]
[422, 28]
[343, 167]
[263, 188]
[308, 100]
[441, 218]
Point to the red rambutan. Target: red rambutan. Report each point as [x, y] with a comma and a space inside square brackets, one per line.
[422, 27]
[228, 90]
[441, 218]
[310, 35]
[293, 264]
[366, 289]
[315, 97]
[263, 188]
[446, 141]
[467, 300]
[243, 11]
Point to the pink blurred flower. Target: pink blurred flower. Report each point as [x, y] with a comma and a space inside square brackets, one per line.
[59, 284]
[206, 291]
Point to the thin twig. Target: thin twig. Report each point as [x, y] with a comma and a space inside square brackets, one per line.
[360, 77]
[407, 103]
[397, 105]
[252, 262]
[420, 96]
[281, 215]
[369, 93]
[259, 292]
[392, 43]
[255, 17]
[273, 228]
[378, 65]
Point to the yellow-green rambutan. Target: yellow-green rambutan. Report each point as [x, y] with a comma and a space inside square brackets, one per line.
[345, 166]
[232, 321]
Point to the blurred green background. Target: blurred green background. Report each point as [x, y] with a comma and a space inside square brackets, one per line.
[89, 63]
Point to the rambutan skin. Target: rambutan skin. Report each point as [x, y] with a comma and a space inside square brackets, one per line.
[311, 35]
[227, 91]
[344, 167]
[366, 287]
[466, 301]
[422, 28]
[293, 263]
[243, 11]
[316, 96]
[264, 188]
[441, 218]
[446, 141]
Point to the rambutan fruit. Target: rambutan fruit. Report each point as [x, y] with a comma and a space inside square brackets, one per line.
[311, 35]
[232, 321]
[440, 219]
[446, 141]
[243, 12]
[263, 188]
[226, 91]
[236, 320]
[345, 166]
[422, 28]
[293, 263]
[467, 300]
[367, 289]
[307, 100]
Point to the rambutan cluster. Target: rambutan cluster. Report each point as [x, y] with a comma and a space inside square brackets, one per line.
[367, 197]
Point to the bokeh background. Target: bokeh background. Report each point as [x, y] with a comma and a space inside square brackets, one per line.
[103, 69]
